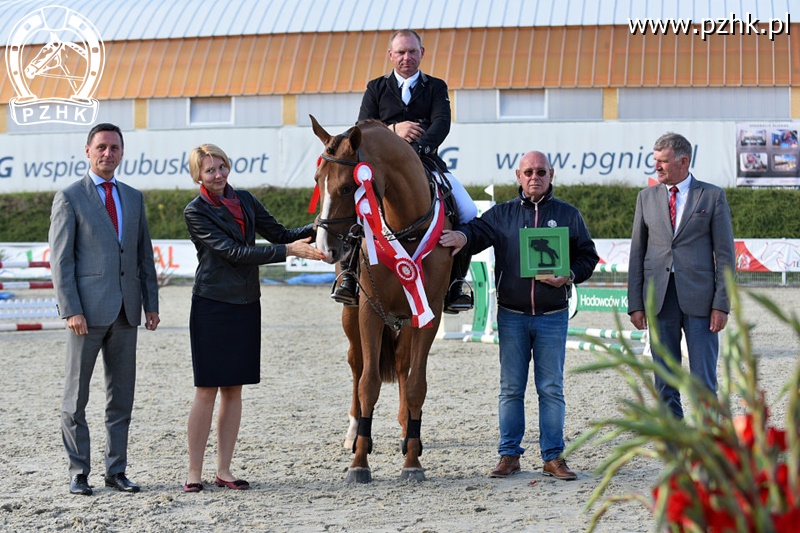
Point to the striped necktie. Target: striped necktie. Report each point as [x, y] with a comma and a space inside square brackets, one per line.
[673, 210]
[111, 207]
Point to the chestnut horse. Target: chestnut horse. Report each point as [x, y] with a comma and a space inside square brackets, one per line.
[385, 343]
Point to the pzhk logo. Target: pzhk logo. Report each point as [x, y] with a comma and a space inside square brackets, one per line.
[73, 55]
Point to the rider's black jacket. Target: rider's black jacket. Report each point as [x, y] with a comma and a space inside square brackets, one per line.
[429, 107]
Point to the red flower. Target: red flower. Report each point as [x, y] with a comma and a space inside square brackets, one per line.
[776, 438]
[719, 521]
[743, 424]
[678, 501]
[787, 522]
[730, 453]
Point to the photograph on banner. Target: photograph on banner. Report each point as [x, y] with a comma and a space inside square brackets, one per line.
[767, 154]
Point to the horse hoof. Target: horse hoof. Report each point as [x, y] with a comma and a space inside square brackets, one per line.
[358, 475]
[412, 474]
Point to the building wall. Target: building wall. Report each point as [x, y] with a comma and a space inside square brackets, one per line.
[568, 79]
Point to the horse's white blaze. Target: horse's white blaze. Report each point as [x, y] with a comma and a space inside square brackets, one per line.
[322, 234]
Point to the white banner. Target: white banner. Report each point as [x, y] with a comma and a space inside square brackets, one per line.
[478, 154]
[177, 258]
[172, 257]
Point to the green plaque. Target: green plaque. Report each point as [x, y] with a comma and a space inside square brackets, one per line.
[613, 299]
[544, 252]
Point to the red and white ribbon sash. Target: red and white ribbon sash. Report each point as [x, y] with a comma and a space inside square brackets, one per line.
[391, 253]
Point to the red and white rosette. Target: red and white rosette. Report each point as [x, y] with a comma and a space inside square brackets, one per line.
[406, 270]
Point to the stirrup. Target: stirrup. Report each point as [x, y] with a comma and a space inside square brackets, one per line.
[461, 302]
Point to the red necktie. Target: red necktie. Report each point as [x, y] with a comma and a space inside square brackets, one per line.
[110, 206]
[673, 193]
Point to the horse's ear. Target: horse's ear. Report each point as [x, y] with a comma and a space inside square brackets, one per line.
[355, 138]
[319, 131]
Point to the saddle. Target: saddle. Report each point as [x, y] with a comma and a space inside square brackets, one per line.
[436, 174]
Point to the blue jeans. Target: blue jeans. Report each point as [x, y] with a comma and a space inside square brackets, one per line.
[544, 338]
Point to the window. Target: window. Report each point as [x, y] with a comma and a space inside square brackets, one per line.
[210, 111]
[524, 104]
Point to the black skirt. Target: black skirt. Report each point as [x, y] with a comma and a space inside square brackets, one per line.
[226, 342]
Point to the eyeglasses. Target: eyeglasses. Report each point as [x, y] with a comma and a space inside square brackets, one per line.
[541, 172]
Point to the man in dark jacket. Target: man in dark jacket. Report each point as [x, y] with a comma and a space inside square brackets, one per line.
[417, 108]
[533, 314]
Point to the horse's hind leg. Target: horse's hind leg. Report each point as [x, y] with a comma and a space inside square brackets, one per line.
[355, 360]
[402, 361]
[352, 426]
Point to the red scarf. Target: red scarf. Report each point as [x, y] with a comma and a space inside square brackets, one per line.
[228, 200]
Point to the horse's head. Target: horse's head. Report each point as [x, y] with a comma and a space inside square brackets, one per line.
[337, 189]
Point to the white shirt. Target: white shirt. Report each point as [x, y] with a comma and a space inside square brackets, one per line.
[411, 81]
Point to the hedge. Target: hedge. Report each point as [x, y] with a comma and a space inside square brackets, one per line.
[608, 210]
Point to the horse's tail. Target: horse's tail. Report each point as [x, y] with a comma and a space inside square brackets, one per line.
[387, 365]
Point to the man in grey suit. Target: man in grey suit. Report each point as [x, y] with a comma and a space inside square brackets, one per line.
[103, 273]
[682, 245]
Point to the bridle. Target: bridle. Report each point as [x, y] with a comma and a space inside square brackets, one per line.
[355, 230]
[409, 234]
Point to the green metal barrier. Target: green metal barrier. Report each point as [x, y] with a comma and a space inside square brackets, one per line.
[480, 293]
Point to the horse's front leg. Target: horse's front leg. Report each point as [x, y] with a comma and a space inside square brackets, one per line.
[416, 390]
[369, 386]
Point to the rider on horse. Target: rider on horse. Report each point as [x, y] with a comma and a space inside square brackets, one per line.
[417, 108]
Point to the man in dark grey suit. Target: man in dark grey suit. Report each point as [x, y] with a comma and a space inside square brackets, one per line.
[103, 273]
[682, 245]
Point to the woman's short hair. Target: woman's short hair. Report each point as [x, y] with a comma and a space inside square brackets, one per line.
[199, 153]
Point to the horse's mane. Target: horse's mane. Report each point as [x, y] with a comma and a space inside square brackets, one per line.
[369, 122]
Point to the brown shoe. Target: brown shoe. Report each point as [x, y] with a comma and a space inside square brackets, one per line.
[558, 469]
[508, 465]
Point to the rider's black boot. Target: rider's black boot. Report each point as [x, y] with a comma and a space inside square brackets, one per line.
[345, 287]
[459, 293]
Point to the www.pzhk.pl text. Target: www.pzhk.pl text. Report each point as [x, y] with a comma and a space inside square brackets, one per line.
[733, 25]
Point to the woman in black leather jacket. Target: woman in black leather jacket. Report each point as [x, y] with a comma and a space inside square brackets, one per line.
[225, 319]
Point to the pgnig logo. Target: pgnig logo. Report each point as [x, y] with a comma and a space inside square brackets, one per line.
[73, 56]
